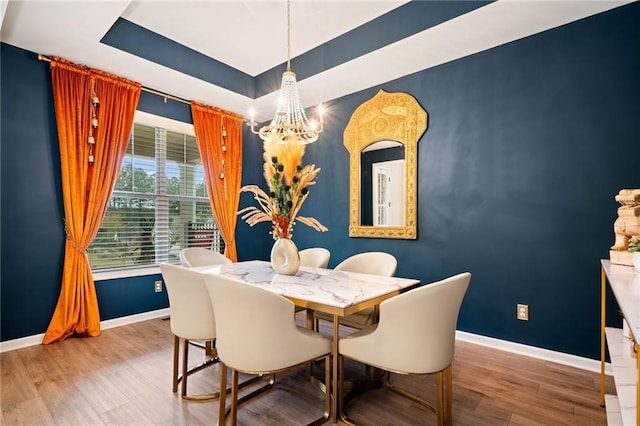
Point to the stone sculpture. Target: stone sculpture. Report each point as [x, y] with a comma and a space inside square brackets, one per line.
[627, 225]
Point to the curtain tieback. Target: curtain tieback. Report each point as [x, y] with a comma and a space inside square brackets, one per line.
[74, 244]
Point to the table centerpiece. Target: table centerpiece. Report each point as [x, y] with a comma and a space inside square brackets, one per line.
[288, 184]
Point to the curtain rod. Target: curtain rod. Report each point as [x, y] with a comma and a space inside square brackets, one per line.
[144, 89]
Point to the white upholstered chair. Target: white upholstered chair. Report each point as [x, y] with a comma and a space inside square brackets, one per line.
[200, 256]
[415, 335]
[257, 333]
[374, 263]
[191, 319]
[316, 257]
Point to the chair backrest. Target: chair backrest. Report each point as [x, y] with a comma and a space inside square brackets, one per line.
[417, 328]
[373, 262]
[316, 257]
[256, 329]
[189, 303]
[200, 256]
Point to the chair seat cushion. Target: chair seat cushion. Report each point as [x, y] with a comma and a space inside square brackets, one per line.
[358, 320]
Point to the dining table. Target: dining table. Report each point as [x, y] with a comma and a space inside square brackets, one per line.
[338, 293]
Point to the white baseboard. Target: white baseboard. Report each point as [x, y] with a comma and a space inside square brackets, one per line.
[117, 322]
[535, 352]
[504, 345]
[24, 342]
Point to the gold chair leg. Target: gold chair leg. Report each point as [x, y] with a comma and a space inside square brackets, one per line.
[185, 371]
[327, 392]
[223, 394]
[341, 392]
[450, 394]
[440, 398]
[412, 396]
[448, 408]
[234, 397]
[341, 383]
[182, 378]
[443, 408]
[341, 388]
[327, 395]
[223, 411]
[176, 350]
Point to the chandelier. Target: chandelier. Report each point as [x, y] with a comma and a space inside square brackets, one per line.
[290, 122]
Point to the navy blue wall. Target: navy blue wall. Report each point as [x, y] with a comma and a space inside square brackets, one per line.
[527, 145]
[31, 201]
[32, 236]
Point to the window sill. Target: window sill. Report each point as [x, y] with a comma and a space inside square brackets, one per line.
[125, 273]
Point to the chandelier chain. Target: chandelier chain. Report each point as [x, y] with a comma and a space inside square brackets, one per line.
[288, 35]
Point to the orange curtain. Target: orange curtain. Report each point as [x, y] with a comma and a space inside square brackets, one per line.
[86, 187]
[219, 136]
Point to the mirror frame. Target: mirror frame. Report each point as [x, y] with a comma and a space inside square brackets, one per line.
[387, 116]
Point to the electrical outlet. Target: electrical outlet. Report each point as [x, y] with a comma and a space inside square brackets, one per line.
[523, 312]
[159, 286]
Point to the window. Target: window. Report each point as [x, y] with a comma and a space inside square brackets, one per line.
[159, 204]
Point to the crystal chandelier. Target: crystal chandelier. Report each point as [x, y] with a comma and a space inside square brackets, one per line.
[290, 122]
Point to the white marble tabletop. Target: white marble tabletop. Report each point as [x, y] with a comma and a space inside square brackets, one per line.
[326, 287]
[339, 293]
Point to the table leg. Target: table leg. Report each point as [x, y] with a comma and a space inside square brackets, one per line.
[334, 361]
[309, 368]
[208, 348]
[603, 316]
[310, 319]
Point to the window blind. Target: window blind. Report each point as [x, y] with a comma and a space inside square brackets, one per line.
[159, 204]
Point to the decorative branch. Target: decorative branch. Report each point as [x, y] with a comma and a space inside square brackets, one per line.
[288, 184]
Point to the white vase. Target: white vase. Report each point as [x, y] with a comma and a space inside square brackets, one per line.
[285, 258]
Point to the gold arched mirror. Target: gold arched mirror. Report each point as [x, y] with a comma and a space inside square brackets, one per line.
[382, 139]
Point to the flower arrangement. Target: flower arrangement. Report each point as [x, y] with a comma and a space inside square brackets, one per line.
[288, 183]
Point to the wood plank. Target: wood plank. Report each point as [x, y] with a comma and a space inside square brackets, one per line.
[100, 392]
[127, 414]
[27, 412]
[16, 386]
[124, 377]
[65, 402]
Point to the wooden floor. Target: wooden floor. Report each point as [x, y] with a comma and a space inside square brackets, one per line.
[123, 377]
